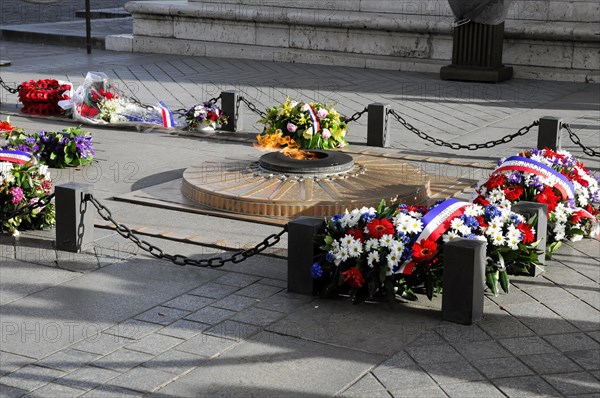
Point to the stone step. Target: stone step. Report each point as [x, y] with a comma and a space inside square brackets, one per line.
[146, 44]
[529, 10]
[354, 36]
[67, 33]
[104, 13]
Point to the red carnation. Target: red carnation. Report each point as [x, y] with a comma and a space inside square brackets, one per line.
[378, 228]
[513, 192]
[527, 231]
[357, 233]
[592, 210]
[548, 197]
[495, 181]
[88, 111]
[5, 126]
[353, 277]
[482, 222]
[480, 200]
[424, 250]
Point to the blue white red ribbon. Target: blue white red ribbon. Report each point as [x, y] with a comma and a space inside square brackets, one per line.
[435, 223]
[167, 116]
[314, 119]
[519, 163]
[17, 157]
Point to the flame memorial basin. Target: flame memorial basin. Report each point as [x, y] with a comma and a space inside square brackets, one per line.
[282, 187]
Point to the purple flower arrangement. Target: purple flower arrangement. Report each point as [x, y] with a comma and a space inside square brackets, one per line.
[70, 147]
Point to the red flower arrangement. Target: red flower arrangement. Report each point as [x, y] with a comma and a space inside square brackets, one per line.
[424, 250]
[378, 228]
[354, 277]
[41, 97]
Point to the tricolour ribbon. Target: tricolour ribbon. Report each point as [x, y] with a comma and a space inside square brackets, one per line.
[314, 119]
[167, 116]
[435, 224]
[17, 157]
[519, 163]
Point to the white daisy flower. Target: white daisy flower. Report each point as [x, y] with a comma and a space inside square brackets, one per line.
[372, 258]
[372, 244]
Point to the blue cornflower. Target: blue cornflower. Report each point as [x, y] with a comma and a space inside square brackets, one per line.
[515, 219]
[316, 271]
[329, 257]
[367, 217]
[336, 219]
[492, 211]
[470, 221]
[406, 253]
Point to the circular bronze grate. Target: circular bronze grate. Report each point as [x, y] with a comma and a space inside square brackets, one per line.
[252, 190]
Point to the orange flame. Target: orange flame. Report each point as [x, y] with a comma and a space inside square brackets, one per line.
[286, 145]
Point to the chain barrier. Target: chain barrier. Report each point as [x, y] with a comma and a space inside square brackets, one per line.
[183, 111]
[577, 141]
[136, 101]
[179, 259]
[12, 90]
[250, 106]
[24, 210]
[456, 146]
[357, 115]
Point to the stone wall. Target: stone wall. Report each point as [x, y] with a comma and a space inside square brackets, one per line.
[542, 41]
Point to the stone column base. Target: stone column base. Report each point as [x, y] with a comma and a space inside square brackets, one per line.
[465, 73]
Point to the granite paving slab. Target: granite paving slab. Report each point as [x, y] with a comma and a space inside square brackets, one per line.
[19, 279]
[122, 360]
[99, 297]
[142, 379]
[383, 329]
[574, 383]
[87, 378]
[285, 366]
[528, 386]
[30, 377]
[175, 362]
[474, 389]
[183, 329]
[55, 391]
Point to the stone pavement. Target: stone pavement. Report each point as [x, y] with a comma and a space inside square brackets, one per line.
[115, 322]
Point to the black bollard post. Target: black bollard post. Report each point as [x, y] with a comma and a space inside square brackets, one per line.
[378, 130]
[549, 133]
[229, 105]
[301, 235]
[529, 209]
[88, 27]
[74, 225]
[464, 278]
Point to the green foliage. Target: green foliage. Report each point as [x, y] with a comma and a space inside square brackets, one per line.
[70, 147]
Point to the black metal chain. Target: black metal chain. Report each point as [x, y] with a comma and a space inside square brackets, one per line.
[456, 146]
[139, 103]
[250, 106]
[12, 90]
[27, 209]
[357, 115]
[576, 140]
[183, 111]
[180, 259]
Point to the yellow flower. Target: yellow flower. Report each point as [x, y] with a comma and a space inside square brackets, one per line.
[308, 133]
